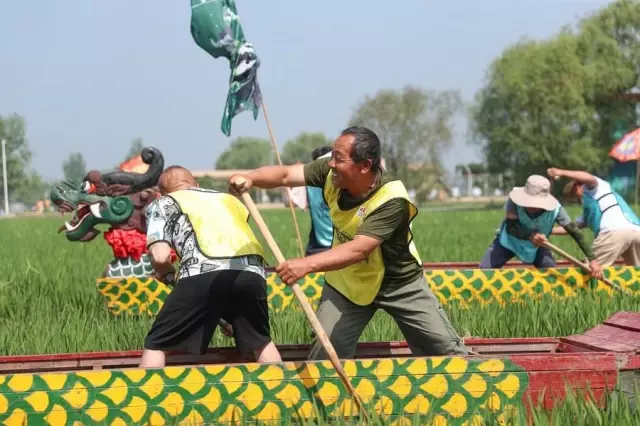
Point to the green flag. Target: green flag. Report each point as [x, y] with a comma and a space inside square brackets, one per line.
[215, 27]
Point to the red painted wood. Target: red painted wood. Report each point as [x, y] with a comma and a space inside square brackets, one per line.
[597, 361]
[549, 376]
[615, 334]
[625, 320]
[370, 346]
[551, 387]
[564, 347]
[631, 361]
[597, 344]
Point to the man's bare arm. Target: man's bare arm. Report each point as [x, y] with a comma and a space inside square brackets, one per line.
[160, 254]
[269, 177]
[579, 176]
[344, 255]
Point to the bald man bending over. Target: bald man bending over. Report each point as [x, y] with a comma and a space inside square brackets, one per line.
[221, 272]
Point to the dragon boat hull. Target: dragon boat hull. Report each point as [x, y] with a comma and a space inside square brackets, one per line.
[462, 283]
[220, 388]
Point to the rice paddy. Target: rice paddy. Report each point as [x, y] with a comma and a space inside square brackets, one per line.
[49, 303]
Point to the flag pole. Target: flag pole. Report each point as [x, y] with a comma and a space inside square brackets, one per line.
[289, 196]
[4, 177]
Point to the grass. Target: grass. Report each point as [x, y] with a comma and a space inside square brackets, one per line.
[49, 304]
[48, 296]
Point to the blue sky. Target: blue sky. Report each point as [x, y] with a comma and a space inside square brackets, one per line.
[90, 76]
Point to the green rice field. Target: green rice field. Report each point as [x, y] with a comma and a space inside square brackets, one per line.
[49, 303]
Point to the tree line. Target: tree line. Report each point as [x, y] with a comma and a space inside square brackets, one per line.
[555, 102]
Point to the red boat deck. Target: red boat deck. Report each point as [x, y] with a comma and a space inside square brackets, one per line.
[618, 334]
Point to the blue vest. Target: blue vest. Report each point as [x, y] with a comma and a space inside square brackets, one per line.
[321, 224]
[592, 213]
[525, 249]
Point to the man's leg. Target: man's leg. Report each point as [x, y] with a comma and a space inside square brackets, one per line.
[420, 316]
[495, 256]
[608, 246]
[152, 359]
[631, 255]
[544, 258]
[186, 321]
[343, 322]
[248, 313]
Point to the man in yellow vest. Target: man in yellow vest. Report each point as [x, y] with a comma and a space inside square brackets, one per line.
[221, 273]
[373, 262]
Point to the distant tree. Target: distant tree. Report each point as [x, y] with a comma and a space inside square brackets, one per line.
[413, 124]
[33, 189]
[245, 153]
[558, 102]
[12, 129]
[532, 114]
[609, 45]
[299, 148]
[210, 183]
[74, 167]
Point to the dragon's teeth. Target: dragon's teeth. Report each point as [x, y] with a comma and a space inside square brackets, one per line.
[95, 210]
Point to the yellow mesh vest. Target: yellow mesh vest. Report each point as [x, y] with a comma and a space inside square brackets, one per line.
[361, 282]
[220, 223]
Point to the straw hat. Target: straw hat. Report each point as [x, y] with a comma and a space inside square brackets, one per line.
[535, 193]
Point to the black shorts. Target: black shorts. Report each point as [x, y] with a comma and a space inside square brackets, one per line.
[193, 309]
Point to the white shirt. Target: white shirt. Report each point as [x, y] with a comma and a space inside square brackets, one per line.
[612, 219]
[166, 222]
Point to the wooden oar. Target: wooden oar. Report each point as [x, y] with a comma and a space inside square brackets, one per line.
[302, 299]
[577, 262]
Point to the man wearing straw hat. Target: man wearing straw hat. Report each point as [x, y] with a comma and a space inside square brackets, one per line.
[373, 262]
[614, 224]
[531, 213]
[221, 272]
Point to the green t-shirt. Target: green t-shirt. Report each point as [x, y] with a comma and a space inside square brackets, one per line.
[389, 223]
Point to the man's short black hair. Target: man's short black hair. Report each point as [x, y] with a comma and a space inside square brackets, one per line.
[366, 145]
[319, 152]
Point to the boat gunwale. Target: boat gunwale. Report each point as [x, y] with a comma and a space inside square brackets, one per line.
[392, 344]
[511, 264]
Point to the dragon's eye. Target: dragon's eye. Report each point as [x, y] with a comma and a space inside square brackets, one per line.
[88, 187]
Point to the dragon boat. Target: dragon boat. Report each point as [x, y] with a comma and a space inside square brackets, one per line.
[118, 199]
[220, 387]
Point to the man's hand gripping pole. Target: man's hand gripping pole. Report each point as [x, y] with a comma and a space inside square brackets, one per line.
[302, 299]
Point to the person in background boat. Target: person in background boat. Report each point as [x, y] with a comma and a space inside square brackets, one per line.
[321, 232]
[531, 212]
[221, 271]
[615, 225]
[373, 262]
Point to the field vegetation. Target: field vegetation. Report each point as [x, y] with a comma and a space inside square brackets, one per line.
[49, 304]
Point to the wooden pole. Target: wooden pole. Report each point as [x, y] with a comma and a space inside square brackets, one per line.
[4, 177]
[637, 181]
[302, 299]
[275, 149]
[577, 262]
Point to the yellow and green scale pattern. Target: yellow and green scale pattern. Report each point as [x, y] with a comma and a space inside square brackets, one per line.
[449, 389]
[132, 295]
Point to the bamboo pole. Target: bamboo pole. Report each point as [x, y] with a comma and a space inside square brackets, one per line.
[275, 149]
[304, 302]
